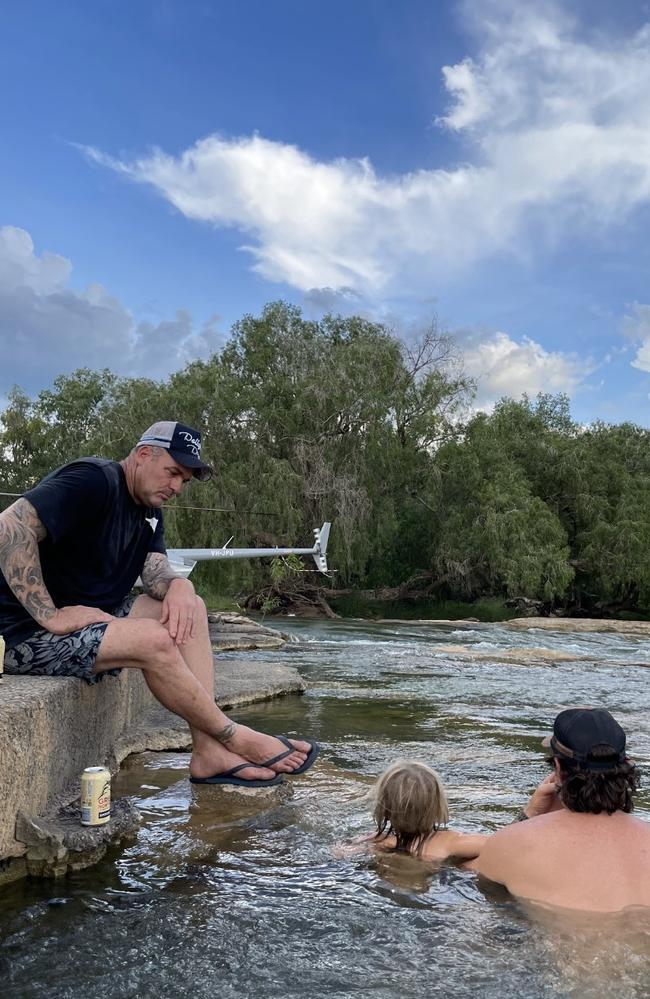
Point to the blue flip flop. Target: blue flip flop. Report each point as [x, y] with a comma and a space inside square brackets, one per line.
[311, 757]
[229, 777]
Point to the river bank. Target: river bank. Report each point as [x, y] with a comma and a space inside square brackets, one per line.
[371, 605]
[53, 727]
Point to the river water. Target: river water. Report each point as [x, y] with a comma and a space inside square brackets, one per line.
[253, 902]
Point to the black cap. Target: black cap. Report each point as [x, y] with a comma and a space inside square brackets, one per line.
[577, 732]
[183, 444]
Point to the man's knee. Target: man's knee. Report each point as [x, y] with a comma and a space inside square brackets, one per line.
[157, 642]
[201, 609]
[146, 607]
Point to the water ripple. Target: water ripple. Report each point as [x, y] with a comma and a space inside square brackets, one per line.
[256, 902]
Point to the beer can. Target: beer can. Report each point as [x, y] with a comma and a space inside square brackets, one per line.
[95, 796]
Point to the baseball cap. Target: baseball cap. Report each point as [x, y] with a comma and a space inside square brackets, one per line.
[577, 732]
[183, 444]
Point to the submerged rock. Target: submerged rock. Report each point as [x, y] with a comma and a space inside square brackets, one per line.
[514, 655]
[524, 656]
[230, 796]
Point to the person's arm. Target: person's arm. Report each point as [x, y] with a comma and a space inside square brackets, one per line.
[20, 563]
[177, 594]
[500, 854]
[157, 575]
[493, 861]
[354, 847]
[544, 799]
[467, 845]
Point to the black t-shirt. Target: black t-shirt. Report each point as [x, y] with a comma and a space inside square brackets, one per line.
[97, 541]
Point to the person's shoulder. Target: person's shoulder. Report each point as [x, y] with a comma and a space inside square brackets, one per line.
[90, 467]
[445, 838]
[510, 836]
[93, 466]
[94, 473]
[532, 828]
[511, 839]
[633, 825]
[92, 480]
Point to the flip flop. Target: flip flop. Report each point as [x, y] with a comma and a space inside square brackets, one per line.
[229, 777]
[311, 757]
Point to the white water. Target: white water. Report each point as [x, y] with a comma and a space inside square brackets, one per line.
[254, 903]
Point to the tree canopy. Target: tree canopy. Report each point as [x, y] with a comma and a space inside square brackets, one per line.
[339, 419]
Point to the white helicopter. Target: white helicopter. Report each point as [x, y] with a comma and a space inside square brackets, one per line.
[183, 560]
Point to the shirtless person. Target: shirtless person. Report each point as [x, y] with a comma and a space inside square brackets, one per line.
[70, 552]
[581, 848]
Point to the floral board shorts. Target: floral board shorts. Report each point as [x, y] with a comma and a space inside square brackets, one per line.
[74, 654]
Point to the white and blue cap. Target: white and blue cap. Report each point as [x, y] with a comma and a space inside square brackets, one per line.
[183, 444]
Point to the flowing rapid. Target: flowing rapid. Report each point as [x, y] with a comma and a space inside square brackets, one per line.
[255, 902]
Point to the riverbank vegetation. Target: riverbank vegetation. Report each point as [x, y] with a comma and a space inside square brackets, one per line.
[339, 419]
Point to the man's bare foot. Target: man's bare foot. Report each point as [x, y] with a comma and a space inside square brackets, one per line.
[217, 760]
[258, 747]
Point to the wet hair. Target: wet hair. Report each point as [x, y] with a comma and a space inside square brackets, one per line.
[596, 791]
[410, 804]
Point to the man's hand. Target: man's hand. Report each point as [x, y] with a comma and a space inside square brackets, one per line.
[179, 610]
[67, 619]
[544, 798]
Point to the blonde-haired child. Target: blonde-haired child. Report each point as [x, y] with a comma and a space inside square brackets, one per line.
[410, 812]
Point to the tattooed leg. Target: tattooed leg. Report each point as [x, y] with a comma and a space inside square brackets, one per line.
[197, 654]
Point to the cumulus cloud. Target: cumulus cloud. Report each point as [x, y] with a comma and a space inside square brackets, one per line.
[342, 301]
[503, 366]
[47, 328]
[636, 326]
[556, 124]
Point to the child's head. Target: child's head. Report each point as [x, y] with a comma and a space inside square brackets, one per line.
[409, 804]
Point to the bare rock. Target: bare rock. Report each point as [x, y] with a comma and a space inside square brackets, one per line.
[579, 624]
[59, 843]
[51, 728]
[235, 632]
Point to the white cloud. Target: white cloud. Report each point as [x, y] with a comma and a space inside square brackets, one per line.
[342, 301]
[636, 326]
[642, 359]
[506, 367]
[46, 328]
[557, 126]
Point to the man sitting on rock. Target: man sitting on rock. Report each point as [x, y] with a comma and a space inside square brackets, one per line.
[71, 551]
[581, 848]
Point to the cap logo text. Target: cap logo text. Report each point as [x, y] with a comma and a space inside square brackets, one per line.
[193, 443]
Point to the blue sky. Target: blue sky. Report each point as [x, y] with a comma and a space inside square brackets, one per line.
[168, 166]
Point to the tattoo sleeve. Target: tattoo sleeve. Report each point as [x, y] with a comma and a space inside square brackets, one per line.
[156, 575]
[20, 532]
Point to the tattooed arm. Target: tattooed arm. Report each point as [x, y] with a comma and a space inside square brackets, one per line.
[156, 575]
[180, 605]
[20, 563]
[20, 533]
